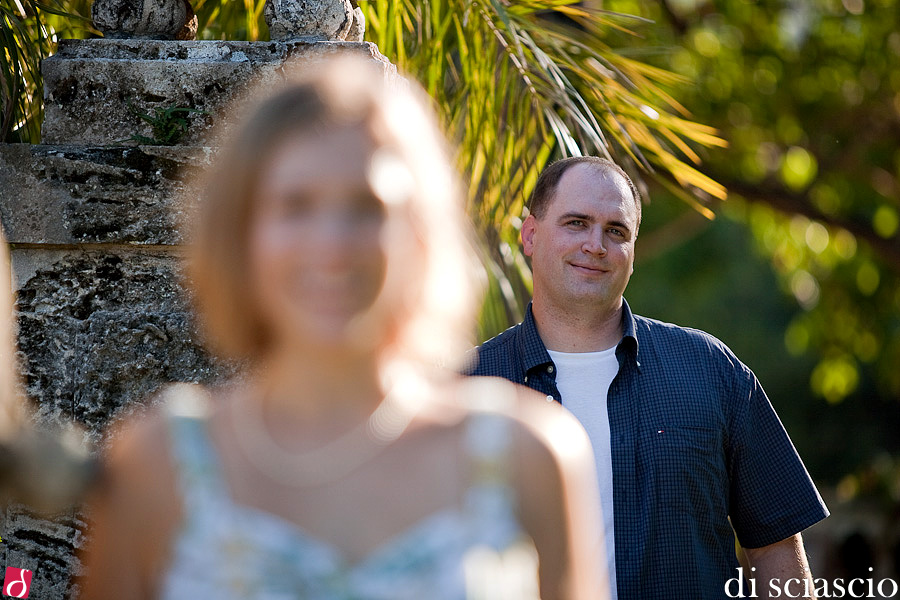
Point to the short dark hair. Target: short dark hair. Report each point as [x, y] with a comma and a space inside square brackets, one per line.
[547, 182]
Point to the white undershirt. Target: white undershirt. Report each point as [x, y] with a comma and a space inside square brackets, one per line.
[583, 380]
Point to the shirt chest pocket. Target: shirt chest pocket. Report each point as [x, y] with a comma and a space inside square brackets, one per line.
[682, 466]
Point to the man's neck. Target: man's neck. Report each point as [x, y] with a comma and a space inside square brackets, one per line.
[577, 330]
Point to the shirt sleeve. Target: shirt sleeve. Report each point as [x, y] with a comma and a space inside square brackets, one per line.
[772, 496]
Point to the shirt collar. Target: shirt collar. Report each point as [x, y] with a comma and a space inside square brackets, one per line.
[535, 354]
[629, 338]
[531, 346]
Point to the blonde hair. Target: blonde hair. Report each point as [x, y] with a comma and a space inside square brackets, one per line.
[336, 93]
[11, 403]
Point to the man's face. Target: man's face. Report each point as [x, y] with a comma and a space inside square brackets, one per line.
[582, 249]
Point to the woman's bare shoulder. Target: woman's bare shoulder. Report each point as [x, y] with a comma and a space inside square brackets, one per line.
[540, 424]
[134, 508]
[554, 475]
[141, 439]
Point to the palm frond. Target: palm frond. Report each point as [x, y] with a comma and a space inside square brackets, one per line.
[232, 20]
[29, 31]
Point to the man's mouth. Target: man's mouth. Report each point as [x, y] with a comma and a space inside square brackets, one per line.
[588, 268]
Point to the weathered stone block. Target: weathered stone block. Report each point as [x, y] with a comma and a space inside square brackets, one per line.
[160, 19]
[76, 194]
[101, 330]
[95, 90]
[310, 20]
[357, 27]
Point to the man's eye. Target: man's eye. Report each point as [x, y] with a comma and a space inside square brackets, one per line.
[576, 223]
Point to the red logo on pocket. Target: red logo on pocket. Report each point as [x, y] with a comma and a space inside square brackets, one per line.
[16, 582]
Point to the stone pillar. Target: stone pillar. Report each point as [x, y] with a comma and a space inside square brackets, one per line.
[91, 214]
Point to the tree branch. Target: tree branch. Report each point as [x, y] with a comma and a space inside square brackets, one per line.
[677, 23]
[791, 202]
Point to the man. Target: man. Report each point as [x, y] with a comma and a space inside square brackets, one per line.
[687, 444]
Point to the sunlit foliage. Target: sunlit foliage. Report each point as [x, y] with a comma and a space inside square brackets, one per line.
[808, 96]
[28, 33]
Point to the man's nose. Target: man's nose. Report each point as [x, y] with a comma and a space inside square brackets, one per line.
[595, 242]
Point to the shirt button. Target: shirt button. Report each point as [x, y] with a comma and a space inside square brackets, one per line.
[551, 399]
[549, 368]
[526, 379]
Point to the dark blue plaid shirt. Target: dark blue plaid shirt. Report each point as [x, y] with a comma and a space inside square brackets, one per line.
[694, 441]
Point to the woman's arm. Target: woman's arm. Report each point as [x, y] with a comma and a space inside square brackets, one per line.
[133, 513]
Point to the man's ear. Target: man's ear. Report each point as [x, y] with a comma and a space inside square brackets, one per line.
[528, 228]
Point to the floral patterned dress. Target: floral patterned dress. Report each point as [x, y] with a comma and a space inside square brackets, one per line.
[227, 550]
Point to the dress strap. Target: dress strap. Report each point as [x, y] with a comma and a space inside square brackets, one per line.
[488, 435]
[488, 441]
[505, 565]
[187, 407]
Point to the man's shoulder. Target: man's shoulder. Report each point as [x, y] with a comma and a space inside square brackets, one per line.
[678, 338]
[692, 357]
[498, 355]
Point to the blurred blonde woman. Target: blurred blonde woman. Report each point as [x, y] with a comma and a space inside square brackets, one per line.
[331, 256]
